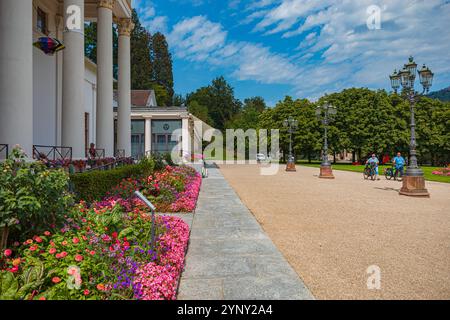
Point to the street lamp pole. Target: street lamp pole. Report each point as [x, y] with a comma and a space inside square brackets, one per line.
[292, 125]
[414, 181]
[326, 172]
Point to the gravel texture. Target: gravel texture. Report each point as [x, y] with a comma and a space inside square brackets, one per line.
[331, 231]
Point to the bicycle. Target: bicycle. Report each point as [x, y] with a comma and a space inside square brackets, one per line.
[370, 171]
[393, 172]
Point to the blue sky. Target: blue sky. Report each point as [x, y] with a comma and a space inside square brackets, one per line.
[301, 48]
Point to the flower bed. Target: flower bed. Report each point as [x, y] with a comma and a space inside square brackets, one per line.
[105, 250]
[443, 172]
[175, 189]
[101, 253]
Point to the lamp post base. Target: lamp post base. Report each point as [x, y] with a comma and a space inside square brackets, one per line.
[290, 166]
[326, 172]
[414, 186]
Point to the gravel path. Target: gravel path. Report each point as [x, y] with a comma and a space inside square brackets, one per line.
[331, 231]
[229, 255]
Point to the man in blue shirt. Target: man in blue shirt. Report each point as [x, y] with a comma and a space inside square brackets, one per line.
[399, 163]
[374, 159]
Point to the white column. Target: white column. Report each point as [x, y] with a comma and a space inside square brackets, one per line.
[73, 79]
[105, 113]
[185, 136]
[16, 74]
[148, 134]
[124, 96]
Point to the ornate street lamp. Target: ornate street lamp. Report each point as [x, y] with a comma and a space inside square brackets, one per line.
[324, 113]
[292, 125]
[413, 182]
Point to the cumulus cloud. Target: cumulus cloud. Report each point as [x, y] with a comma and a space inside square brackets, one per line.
[198, 39]
[147, 14]
[349, 54]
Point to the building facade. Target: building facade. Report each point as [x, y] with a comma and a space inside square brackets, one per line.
[64, 99]
[162, 129]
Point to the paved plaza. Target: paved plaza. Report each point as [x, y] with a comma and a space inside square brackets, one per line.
[229, 256]
[331, 231]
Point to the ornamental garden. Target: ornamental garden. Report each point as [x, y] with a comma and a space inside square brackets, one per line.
[85, 236]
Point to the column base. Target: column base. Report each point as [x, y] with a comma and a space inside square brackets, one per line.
[326, 172]
[290, 166]
[414, 186]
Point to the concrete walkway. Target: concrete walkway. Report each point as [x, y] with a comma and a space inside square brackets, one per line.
[229, 256]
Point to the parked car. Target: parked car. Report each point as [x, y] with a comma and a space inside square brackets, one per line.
[260, 157]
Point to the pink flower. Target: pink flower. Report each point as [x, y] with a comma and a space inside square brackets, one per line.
[75, 240]
[47, 233]
[56, 280]
[78, 258]
[52, 250]
[7, 252]
[33, 248]
[86, 292]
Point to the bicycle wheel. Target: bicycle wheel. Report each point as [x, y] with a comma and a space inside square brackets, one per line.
[366, 173]
[372, 175]
[398, 176]
[388, 173]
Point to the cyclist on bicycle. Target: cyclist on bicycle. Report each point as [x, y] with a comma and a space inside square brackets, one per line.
[373, 159]
[399, 163]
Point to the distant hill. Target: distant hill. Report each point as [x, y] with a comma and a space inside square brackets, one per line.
[443, 95]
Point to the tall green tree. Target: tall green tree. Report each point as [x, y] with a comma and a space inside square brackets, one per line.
[141, 64]
[219, 98]
[162, 65]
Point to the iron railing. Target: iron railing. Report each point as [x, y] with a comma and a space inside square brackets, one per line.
[114, 163]
[99, 153]
[52, 153]
[4, 150]
[120, 153]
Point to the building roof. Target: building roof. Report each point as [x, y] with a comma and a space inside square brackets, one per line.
[140, 98]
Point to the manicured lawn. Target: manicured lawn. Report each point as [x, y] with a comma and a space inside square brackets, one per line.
[349, 167]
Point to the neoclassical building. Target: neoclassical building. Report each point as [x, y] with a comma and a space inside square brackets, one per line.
[64, 99]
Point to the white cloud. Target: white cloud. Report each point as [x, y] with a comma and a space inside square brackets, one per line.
[347, 52]
[149, 19]
[198, 39]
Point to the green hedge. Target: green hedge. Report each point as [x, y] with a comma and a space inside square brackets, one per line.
[94, 185]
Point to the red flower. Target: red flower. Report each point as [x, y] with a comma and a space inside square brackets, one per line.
[52, 250]
[78, 258]
[14, 269]
[86, 292]
[58, 256]
[47, 233]
[75, 240]
[33, 248]
[92, 253]
[63, 254]
[42, 298]
[7, 252]
[38, 240]
[114, 235]
[56, 280]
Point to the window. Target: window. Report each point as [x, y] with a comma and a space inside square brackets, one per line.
[41, 21]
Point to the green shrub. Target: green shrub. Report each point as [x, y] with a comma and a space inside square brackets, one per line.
[32, 198]
[94, 185]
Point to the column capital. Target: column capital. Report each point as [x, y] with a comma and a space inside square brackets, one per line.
[126, 26]
[109, 4]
